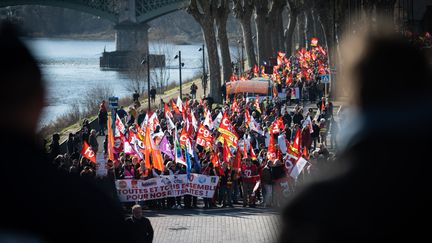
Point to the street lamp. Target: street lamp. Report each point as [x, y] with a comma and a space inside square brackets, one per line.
[147, 61]
[204, 77]
[180, 74]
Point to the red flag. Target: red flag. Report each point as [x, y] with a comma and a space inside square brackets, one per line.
[234, 106]
[275, 93]
[214, 159]
[252, 153]
[226, 153]
[322, 50]
[204, 137]
[245, 154]
[314, 41]
[305, 153]
[183, 137]
[227, 131]
[167, 111]
[296, 144]
[233, 77]
[277, 126]
[271, 152]
[110, 145]
[280, 58]
[255, 70]
[87, 152]
[247, 117]
[175, 108]
[256, 104]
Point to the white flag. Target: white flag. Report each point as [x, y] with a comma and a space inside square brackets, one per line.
[217, 121]
[298, 168]
[194, 122]
[307, 122]
[254, 126]
[179, 104]
[208, 121]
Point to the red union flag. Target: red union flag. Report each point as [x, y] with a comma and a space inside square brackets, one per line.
[271, 152]
[204, 137]
[183, 137]
[87, 152]
[314, 41]
[226, 129]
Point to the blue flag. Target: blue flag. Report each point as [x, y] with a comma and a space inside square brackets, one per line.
[188, 165]
[197, 162]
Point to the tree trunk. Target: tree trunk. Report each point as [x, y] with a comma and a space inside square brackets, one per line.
[260, 27]
[305, 29]
[289, 32]
[205, 16]
[243, 10]
[221, 20]
[261, 10]
[214, 64]
[268, 44]
[248, 43]
[309, 26]
[314, 24]
[276, 25]
[280, 31]
[274, 35]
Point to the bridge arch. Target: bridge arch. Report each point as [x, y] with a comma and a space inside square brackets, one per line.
[104, 9]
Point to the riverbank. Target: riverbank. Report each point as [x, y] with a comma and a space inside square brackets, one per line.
[63, 127]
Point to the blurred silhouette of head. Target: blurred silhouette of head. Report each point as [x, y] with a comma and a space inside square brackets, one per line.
[385, 70]
[21, 79]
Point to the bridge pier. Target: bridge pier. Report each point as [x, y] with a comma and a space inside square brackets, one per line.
[132, 46]
[132, 37]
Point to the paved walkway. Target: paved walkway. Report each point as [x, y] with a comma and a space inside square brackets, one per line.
[248, 225]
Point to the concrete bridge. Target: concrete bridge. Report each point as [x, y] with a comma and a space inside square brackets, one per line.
[129, 19]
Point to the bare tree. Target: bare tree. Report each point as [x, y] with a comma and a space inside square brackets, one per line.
[243, 10]
[275, 24]
[221, 22]
[203, 12]
[93, 97]
[137, 75]
[261, 10]
[294, 7]
[160, 75]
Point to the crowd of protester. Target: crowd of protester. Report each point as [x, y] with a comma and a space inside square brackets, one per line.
[249, 176]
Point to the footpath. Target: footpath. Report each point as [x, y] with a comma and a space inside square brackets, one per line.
[240, 225]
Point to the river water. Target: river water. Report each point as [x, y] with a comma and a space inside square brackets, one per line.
[71, 67]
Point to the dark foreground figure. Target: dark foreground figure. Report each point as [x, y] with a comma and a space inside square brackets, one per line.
[382, 191]
[39, 203]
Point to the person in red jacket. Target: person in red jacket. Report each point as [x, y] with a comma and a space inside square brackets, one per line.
[249, 173]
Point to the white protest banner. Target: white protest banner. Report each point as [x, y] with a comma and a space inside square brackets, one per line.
[298, 168]
[101, 169]
[166, 186]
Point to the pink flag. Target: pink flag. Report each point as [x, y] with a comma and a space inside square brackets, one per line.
[165, 147]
